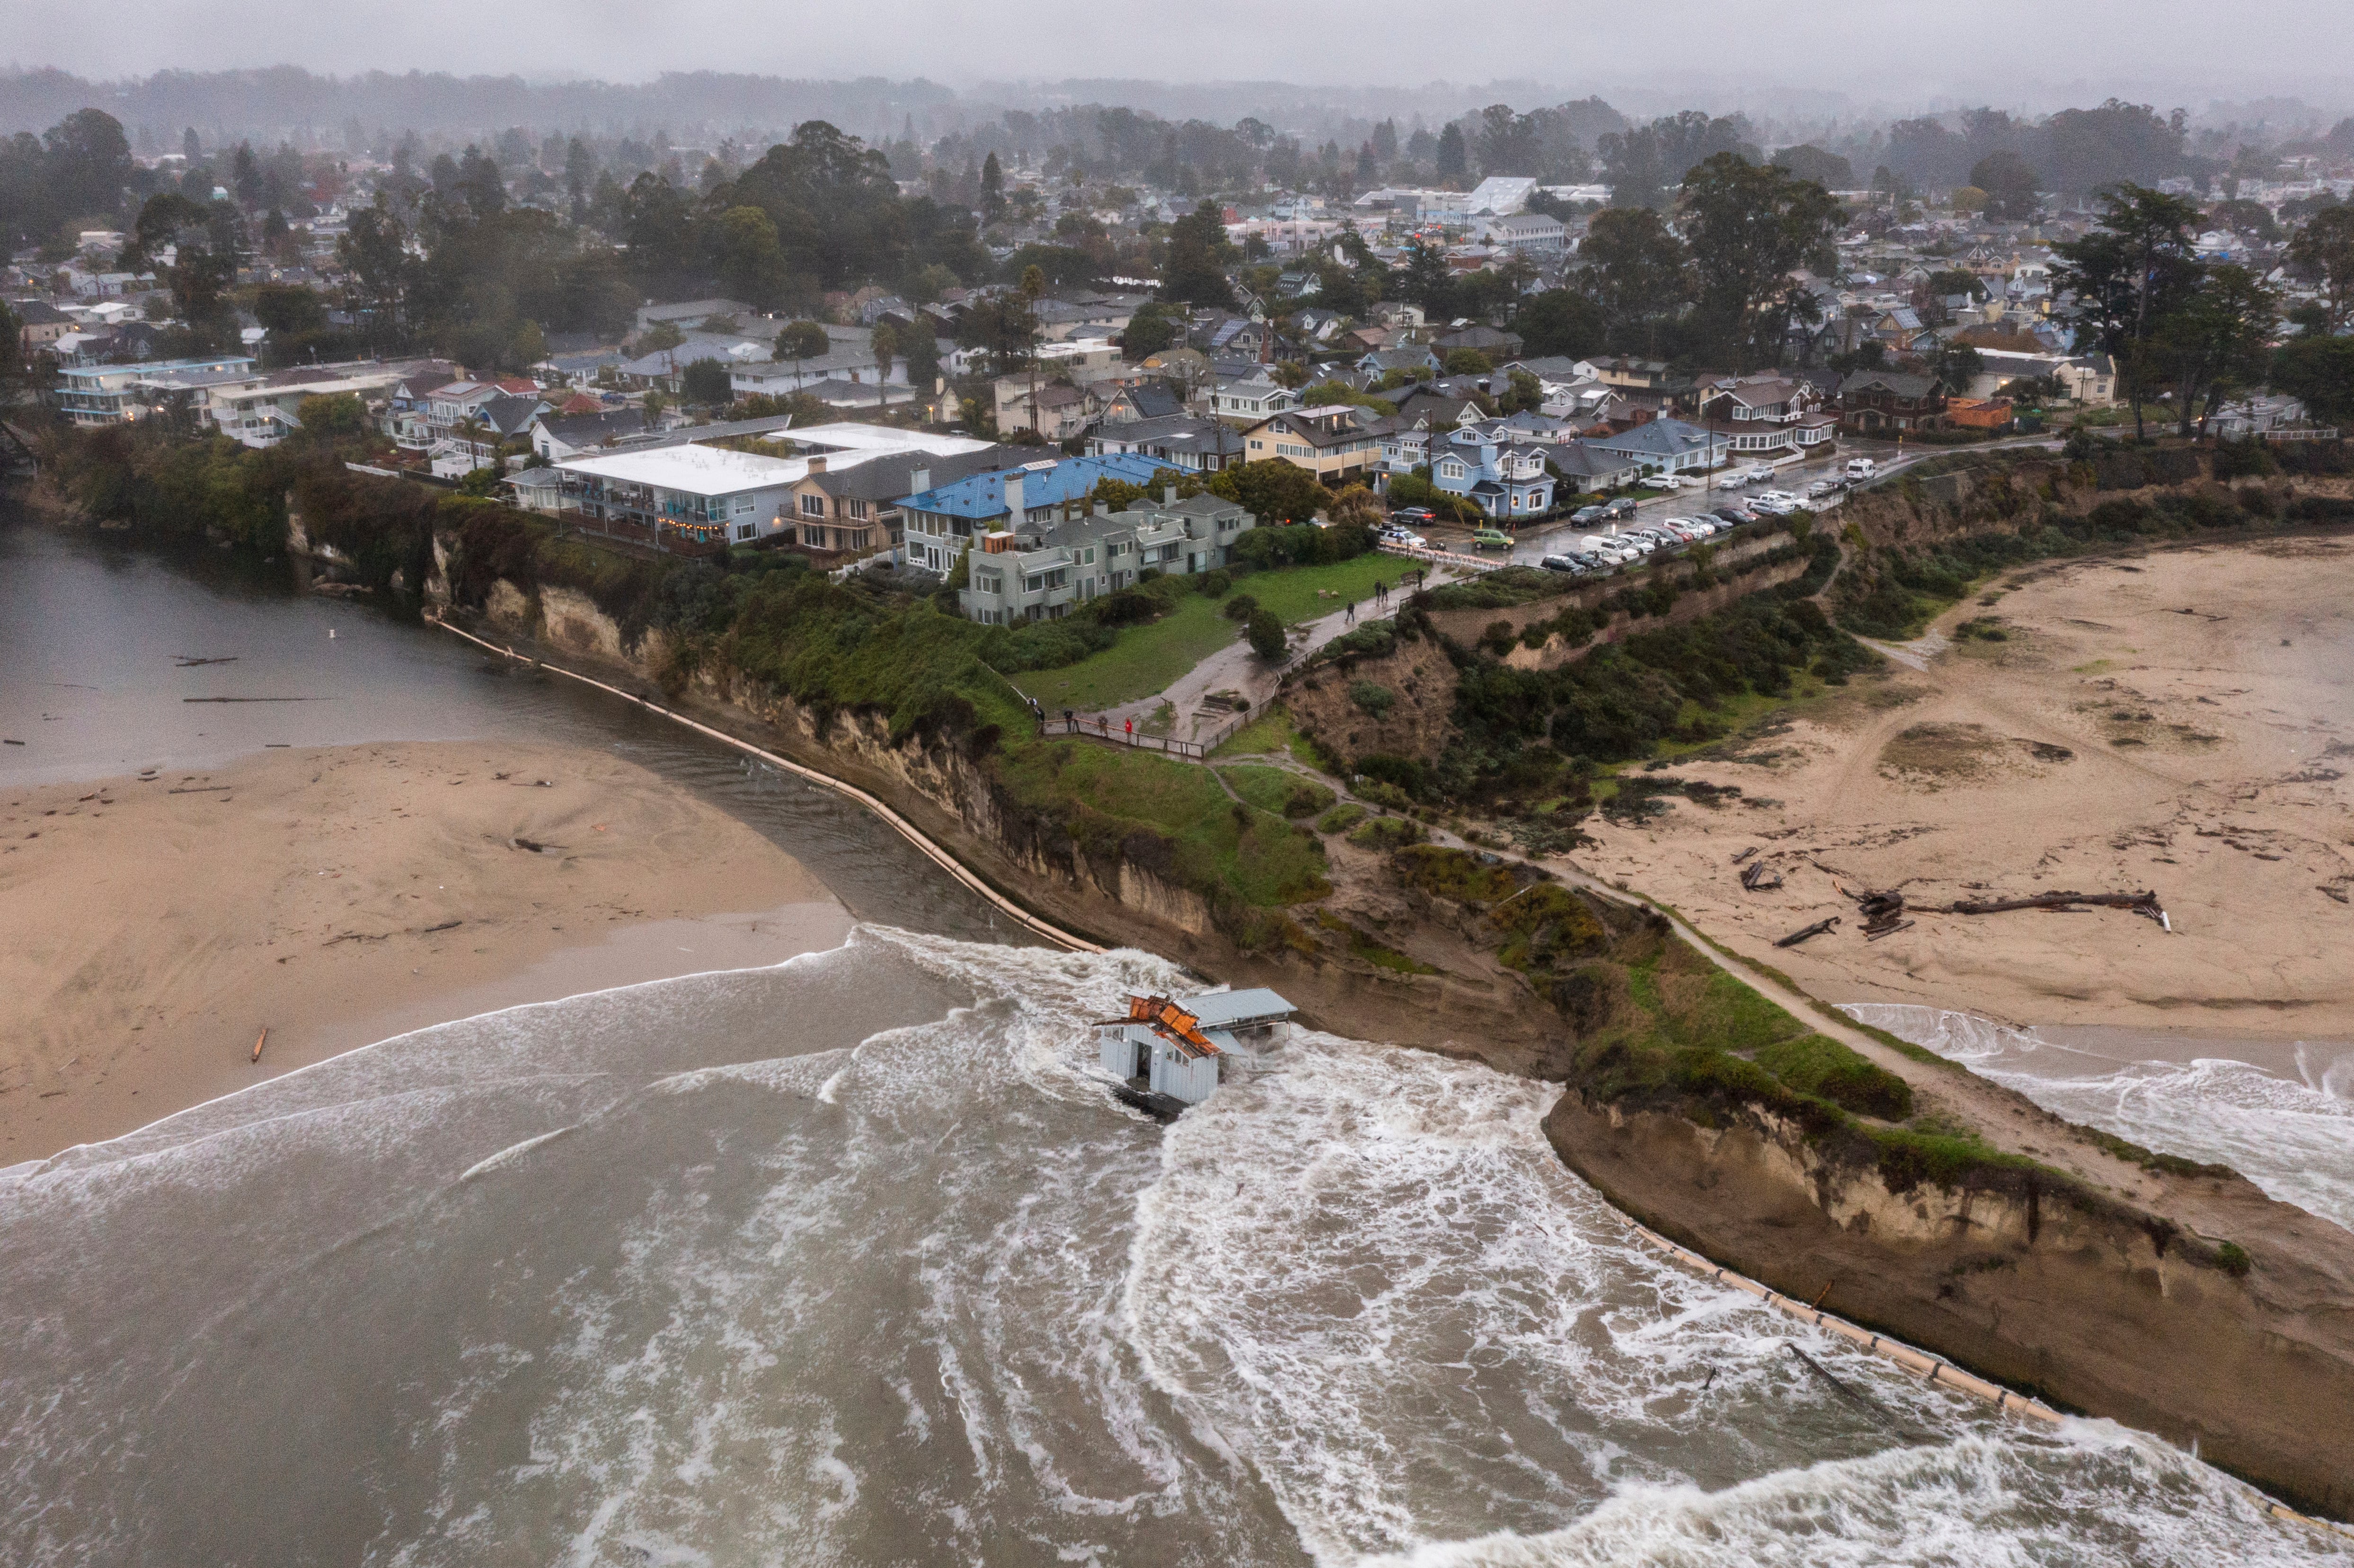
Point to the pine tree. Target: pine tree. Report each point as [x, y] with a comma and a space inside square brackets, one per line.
[1453, 160]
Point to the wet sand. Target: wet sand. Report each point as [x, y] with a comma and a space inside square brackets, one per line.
[150, 929]
[2177, 721]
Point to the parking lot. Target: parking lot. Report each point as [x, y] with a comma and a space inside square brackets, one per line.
[1560, 536]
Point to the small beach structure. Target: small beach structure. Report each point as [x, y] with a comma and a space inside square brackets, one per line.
[1167, 1053]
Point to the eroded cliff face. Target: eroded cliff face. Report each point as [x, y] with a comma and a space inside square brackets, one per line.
[2090, 1311]
[934, 783]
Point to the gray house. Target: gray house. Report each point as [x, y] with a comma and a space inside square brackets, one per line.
[1039, 569]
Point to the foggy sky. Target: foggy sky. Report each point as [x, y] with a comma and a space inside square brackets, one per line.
[2031, 55]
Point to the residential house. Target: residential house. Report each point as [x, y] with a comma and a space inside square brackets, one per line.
[264, 413]
[538, 488]
[1497, 345]
[1431, 408]
[1411, 358]
[689, 313]
[1584, 468]
[1665, 446]
[1054, 410]
[556, 436]
[1765, 416]
[1253, 397]
[1039, 569]
[406, 417]
[1881, 402]
[1505, 478]
[684, 496]
[849, 356]
[942, 522]
[1183, 441]
[1528, 232]
[474, 441]
[1150, 398]
[1332, 442]
[846, 504]
[40, 323]
[106, 393]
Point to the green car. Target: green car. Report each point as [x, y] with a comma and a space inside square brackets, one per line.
[1491, 539]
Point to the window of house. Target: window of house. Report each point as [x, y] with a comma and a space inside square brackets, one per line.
[742, 506]
[813, 505]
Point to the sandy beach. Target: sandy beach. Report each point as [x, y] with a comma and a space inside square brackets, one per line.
[149, 929]
[2174, 720]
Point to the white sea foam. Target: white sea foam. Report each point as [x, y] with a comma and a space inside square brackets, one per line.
[930, 1295]
[2292, 1136]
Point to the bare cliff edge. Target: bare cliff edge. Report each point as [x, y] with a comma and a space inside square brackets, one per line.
[2098, 1308]
[2092, 1303]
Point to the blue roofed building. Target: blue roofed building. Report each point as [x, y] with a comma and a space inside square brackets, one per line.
[1666, 446]
[942, 522]
[1038, 543]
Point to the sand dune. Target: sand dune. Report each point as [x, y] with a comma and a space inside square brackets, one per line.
[149, 929]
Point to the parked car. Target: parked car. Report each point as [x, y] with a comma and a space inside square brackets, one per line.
[1609, 549]
[1585, 516]
[1756, 473]
[1564, 564]
[1680, 529]
[1406, 536]
[1663, 482]
[1823, 487]
[1861, 468]
[1623, 507]
[1411, 514]
[1735, 515]
[1491, 539]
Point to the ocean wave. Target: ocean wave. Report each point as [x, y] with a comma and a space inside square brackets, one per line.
[2293, 1137]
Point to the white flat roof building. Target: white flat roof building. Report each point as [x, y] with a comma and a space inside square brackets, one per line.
[845, 436]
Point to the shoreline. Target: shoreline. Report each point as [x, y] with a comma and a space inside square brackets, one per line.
[340, 895]
[2155, 719]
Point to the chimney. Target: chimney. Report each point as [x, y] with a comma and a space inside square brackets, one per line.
[1013, 500]
[817, 463]
[1169, 496]
[919, 480]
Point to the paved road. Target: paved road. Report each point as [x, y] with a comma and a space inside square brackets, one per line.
[1559, 536]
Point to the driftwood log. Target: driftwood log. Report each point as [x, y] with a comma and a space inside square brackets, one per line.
[1817, 929]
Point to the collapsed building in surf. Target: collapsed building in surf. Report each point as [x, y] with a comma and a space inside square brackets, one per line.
[1168, 1055]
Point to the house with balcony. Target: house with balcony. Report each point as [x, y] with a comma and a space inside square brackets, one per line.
[1042, 568]
[1181, 442]
[846, 504]
[688, 497]
[942, 522]
[108, 394]
[1251, 398]
[1484, 464]
[1332, 442]
[1766, 417]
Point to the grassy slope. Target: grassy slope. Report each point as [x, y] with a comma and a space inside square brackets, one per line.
[1262, 858]
[1148, 659]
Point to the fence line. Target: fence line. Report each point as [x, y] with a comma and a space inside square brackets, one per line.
[906, 829]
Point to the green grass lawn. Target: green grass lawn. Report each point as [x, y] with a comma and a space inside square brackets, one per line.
[1148, 659]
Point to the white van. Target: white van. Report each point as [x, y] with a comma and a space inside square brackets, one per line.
[1861, 468]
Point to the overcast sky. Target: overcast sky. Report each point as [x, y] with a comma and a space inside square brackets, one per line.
[2028, 54]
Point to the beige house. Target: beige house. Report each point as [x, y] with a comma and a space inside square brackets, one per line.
[1328, 443]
